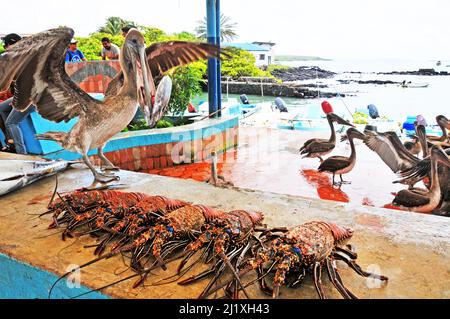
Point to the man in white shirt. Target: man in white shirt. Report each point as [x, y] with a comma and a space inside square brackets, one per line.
[110, 50]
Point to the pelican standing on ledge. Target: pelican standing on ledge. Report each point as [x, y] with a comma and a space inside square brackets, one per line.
[339, 165]
[316, 147]
[423, 200]
[37, 64]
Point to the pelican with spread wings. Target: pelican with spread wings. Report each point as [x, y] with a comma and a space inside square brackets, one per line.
[36, 64]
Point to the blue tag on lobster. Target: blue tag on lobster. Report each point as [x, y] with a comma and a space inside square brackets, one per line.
[170, 229]
[297, 250]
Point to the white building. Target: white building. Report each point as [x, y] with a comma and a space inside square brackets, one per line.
[263, 51]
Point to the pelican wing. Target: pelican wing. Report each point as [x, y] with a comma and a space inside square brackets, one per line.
[389, 151]
[163, 56]
[418, 171]
[318, 146]
[36, 64]
[334, 163]
[408, 198]
[309, 142]
[409, 159]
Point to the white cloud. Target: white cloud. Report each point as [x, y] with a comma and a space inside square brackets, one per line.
[410, 29]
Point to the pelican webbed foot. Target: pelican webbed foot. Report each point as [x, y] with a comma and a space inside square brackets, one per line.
[105, 178]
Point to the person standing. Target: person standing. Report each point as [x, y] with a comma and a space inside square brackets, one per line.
[12, 117]
[74, 55]
[110, 51]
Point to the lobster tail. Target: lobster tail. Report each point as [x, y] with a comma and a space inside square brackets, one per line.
[255, 217]
[211, 213]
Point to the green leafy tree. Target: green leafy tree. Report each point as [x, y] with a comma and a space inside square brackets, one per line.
[185, 86]
[227, 29]
[241, 63]
[114, 25]
[153, 35]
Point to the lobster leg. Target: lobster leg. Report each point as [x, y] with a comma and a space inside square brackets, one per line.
[299, 279]
[262, 281]
[339, 279]
[317, 274]
[358, 268]
[336, 283]
[348, 252]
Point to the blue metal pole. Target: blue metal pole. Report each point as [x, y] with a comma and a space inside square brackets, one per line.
[212, 63]
[219, 71]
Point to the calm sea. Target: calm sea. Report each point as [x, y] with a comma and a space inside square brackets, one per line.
[391, 100]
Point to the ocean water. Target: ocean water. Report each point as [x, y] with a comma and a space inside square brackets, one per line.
[392, 101]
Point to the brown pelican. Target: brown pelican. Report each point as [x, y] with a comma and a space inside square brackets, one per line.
[339, 165]
[37, 65]
[425, 201]
[444, 124]
[164, 56]
[320, 147]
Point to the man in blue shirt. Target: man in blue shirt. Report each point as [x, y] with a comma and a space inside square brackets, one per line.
[73, 54]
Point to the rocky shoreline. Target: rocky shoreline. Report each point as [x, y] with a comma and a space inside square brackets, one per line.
[422, 72]
[275, 89]
[302, 73]
[287, 88]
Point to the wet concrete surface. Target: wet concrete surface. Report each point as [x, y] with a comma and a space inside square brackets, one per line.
[269, 160]
[411, 249]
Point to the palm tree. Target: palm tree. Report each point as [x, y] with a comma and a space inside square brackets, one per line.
[227, 28]
[114, 25]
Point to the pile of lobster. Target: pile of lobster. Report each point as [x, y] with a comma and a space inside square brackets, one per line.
[153, 231]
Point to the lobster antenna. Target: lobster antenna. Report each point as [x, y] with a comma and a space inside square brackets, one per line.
[124, 279]
[54, 191]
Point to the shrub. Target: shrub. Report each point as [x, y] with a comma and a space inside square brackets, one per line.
[186, 84]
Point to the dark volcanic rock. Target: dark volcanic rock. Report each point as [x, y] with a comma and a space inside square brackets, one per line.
[274, 89]
[427, 72]
[377, 82]
[302, 73]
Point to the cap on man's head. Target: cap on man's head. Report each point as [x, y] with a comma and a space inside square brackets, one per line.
[11, 39]
[73, 41]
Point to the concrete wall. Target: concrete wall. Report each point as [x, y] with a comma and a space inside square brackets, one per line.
[19, 280]
[161, 148]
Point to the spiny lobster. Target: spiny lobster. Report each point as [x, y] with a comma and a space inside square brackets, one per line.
[190, 226]
[304, 248]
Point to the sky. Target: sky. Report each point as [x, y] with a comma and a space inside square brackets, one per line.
[347, 29]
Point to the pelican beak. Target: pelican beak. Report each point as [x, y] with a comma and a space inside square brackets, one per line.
[447, 124]
[145, 85]
[340, 120]
[356, 134]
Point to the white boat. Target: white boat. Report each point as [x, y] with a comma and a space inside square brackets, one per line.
[414, 85]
